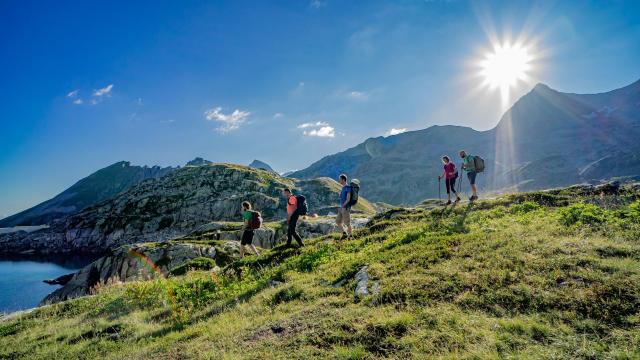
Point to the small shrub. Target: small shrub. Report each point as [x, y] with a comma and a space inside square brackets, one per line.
[287, 294]
[199, 263]
[582, 214]
[525, 207]
[195, 293]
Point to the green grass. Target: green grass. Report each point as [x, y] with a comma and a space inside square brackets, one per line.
[537, 275]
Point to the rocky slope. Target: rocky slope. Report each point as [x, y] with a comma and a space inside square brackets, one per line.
[547, 139]
[137, 262]
[173, 206]
[97, 187]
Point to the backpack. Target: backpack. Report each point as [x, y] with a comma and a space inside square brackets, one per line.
[478, 163]
[354, 189]
[256, 220]
[302, 208]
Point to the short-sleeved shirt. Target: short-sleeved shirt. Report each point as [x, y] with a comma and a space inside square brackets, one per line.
[450, 170]
[343, 194]
[469, 164]
[292, 204]
[246, 216]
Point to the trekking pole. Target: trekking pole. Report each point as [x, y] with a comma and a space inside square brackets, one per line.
[439, 195]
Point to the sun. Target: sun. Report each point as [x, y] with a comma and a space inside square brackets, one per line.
[505, 66]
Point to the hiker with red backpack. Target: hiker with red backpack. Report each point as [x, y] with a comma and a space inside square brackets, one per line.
[252, 221]
[296, 206]
[450, 175]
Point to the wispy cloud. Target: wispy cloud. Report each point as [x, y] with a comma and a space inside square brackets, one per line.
[394, 131]
[78, 101]
[278, 115]
[318, 129]
[103, 91]
[228, 122]
[73, 94]
[358, 95]
[313, 124]
[317, 4]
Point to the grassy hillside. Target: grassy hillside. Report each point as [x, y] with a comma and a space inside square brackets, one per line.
[537, 275]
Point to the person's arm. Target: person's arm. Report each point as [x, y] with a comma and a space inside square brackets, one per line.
[348, 199]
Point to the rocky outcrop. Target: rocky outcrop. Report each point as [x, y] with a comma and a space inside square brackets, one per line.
[174, 206]
[137, 262]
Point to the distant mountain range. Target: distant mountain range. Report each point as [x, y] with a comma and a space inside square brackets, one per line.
[99, 186]
[546, 139]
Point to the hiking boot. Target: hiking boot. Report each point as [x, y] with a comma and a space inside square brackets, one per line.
[473, 198]
[457, 198]
[448, 202]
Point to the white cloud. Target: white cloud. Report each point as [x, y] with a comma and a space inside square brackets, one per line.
[358, 95]
[394, 131]
[311, 124]
[318, 129]
[325, 131]
[104, 91]
[278, 115]
[139, 101]
[78, 101]
[73, 94]
[228, 122]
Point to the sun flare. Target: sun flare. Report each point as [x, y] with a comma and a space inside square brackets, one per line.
[504, 66]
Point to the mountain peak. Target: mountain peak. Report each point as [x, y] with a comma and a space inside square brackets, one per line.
[257, 164]
[198, 162]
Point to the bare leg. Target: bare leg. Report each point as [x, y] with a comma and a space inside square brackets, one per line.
[255, 250]
[349, 229]
[475, 190]
[241, 251]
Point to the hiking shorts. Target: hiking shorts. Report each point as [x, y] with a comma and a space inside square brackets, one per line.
[451, 185]
[247, 237]
[343, 217]
[472, 177]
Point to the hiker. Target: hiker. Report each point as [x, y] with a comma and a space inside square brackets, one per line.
[450, 175]
[468, 164]
[252, 221]
[344, 211]
[293, 213]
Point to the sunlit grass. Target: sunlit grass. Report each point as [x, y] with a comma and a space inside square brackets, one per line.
[521, 276]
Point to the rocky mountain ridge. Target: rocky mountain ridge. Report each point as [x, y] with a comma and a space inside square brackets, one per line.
[97, 187]
[546, 139]
[173, 206]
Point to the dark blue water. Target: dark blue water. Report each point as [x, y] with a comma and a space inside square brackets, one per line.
[21, 285]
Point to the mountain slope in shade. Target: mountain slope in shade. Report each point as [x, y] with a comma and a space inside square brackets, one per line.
[547, 138]
[257, 164]
[99, 186]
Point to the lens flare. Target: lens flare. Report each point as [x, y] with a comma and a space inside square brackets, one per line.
[505, 66]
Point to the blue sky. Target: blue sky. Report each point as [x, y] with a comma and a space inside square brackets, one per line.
[86, 84]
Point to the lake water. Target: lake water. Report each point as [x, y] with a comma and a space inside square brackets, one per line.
[21, 285]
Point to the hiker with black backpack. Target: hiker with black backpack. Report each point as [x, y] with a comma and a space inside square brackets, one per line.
[296, 206]
[252, 221]
[343, 218]
[472, 164]
[450, 175]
